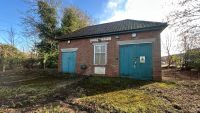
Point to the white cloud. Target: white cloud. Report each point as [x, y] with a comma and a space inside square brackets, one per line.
[112, 4]
[154, 10]
[150, 10]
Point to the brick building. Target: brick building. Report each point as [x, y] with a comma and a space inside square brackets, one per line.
[127, 48]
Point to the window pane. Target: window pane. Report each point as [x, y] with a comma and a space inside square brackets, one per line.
[103, 49]
[100, 54]
[97, 58]
[97, 49]
[100, 58]
[100, 48]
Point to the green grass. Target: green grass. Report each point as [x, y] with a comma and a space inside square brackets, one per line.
[129, 100]
[37, 86]
[123, 94]
[99, 94]
[97, 85]
[30, 92]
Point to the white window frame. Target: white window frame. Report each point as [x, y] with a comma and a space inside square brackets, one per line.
[100, 44]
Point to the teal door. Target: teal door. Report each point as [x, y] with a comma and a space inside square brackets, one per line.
[68, 62]
[136, 61]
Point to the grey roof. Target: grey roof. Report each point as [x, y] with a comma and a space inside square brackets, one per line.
[113, 28]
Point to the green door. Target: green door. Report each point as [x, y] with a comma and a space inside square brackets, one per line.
[68, 62]
[136, 61]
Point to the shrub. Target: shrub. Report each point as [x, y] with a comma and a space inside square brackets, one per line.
[194, 59]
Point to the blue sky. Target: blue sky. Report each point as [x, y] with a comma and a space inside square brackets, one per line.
[93, 8]
[101, 11]
[11, 13]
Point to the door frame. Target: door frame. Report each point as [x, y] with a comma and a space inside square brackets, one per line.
[131, 42]
[140, 41]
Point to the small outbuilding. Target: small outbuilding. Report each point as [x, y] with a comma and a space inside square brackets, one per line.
[127, 48]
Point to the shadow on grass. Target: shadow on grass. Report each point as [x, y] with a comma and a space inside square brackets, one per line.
[53, 86]
[31, 88]
[94, 85]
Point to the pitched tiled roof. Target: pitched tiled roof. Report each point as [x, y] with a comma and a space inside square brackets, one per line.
[118, 27]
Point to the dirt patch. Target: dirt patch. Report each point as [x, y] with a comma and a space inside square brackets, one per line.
[174, 75]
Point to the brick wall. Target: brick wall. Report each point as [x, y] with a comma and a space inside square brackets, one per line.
[85, 53]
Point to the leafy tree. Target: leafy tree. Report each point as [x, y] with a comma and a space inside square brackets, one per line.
[47, 31]
[43, 24]
[47, 25]
[73, 19]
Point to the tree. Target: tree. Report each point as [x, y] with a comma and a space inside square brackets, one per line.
[168, 47]
[47, 30]
[43, 25]
[11, 36]
[9, 54]
[48, 22]
[73, 19]
[186, 21]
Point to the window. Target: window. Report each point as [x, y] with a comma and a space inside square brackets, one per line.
[100, 53]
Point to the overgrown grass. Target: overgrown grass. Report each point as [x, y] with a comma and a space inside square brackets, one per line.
[129, 100]
[123, 95]
[99, 94]
[37, 86]
[97, 85]
[30, 92]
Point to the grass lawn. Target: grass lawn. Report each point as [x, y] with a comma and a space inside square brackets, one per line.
[39, 91]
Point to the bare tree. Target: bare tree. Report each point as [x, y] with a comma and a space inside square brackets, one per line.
[185, 20]
[11, 36]
[168, 46]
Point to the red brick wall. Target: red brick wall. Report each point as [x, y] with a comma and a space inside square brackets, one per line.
[85, 53]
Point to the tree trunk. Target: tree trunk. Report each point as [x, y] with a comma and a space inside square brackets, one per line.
[168, 58]
[44, 64]
[169, 61]
[4, 68]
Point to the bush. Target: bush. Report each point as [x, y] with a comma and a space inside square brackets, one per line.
[194, 59]
[31, 63]
[10, 57]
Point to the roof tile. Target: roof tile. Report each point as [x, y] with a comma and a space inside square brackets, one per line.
[112, 27]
